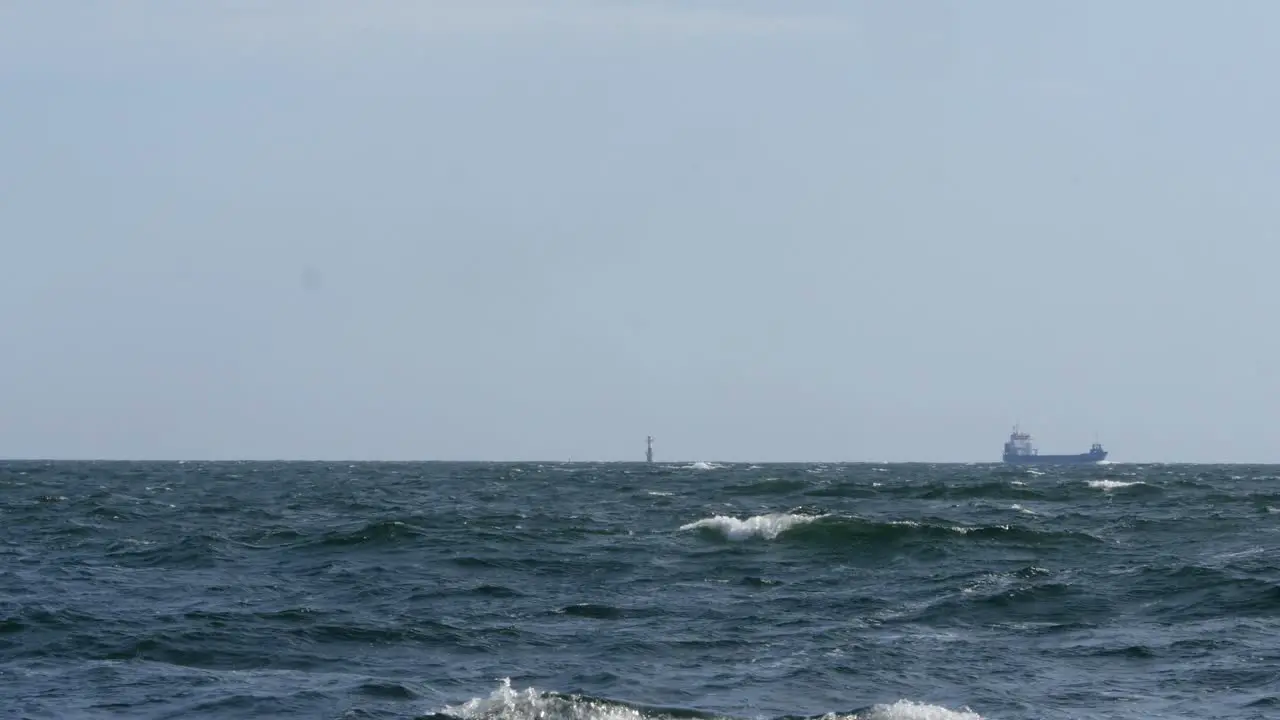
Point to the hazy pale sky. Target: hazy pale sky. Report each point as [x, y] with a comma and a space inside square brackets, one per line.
[472, 229]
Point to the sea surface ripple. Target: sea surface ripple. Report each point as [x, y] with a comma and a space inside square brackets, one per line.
[470, 591]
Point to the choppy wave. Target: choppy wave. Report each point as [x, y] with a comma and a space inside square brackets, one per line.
[298, 590]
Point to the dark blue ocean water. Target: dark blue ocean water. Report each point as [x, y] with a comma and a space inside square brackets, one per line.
[623, 592]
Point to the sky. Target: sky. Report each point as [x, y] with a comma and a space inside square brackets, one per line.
[758, 231]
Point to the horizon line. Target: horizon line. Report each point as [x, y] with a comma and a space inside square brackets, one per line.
[570, 461]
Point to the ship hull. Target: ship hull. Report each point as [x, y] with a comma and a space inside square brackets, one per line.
[1080, 459]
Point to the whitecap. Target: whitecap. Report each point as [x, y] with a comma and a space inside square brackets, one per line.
[1111, 484]
[768, 526]
[911, 710]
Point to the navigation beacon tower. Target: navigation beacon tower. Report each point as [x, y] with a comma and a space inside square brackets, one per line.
[648, 453]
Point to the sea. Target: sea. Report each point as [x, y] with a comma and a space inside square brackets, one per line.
[632, 591]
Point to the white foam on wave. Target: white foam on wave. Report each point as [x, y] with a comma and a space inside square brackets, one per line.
[506, 703]
[1111, 484]
[700, 465]
[966, 530]
[959, 529]
[911, 710]
[768, 526]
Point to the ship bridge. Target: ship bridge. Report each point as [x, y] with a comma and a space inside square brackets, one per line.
[1019, 443]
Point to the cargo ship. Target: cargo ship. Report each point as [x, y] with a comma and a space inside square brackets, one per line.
[1019, 451]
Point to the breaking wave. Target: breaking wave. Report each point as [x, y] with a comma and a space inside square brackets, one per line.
[1111, 484]
[768, 526]
[507, 703]
[837, 530]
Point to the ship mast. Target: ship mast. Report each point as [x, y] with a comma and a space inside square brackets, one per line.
[648, 452]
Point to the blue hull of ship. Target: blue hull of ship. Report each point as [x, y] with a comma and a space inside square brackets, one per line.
[1080, 459]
